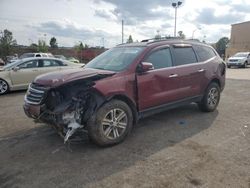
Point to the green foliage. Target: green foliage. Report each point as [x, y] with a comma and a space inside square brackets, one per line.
[42, 47]
[130, 39]
[6, 43]
[79, 47]
[53, 43]
[181, 35]
[221, 45]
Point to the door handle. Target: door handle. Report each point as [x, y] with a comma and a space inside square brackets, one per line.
[201, 70]
[173, 75]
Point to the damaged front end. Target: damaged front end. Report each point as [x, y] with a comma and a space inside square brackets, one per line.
[67, 107]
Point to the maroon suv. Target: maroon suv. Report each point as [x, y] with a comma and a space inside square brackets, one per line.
[125, 84]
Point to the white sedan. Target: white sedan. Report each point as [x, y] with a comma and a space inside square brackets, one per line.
[18, 75]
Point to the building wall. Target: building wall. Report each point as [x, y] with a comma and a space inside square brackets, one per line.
[240, 38]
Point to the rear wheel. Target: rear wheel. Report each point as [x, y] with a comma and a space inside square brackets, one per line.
[111, 123]
[4, 87]
[211, 98]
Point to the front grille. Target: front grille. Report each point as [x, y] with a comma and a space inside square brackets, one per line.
[233, 60]
[35, 94]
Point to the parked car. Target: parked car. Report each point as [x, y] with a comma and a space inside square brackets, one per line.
[11, 59]
[27, 55]
[241, 59]
[73, 60]
[124, 84]
[18, 75]
[60, 57]
[2, 63]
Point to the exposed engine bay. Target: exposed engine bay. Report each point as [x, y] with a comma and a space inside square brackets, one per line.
[68, 107]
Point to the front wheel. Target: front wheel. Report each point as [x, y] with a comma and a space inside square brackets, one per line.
[4, 87]
[211, 98]
[245, 65]
[111, 123]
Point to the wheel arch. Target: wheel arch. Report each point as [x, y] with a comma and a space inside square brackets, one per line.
[215, 80]
[129, 102]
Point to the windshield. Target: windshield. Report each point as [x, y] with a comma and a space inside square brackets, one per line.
[115, 59]
[241, 55]
[10, 65]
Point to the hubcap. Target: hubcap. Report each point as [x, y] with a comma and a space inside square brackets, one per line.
[3, 86]
[114, 123]
[213, 97]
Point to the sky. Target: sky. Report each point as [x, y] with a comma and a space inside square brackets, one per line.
[98, 22]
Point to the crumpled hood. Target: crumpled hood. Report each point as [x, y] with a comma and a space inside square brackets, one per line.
[54, 79]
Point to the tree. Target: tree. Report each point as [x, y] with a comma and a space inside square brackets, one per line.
[181, 34]
[221, 45]
[34, 46]
[79, 49]
[130, 39]
[53, 43]
[42, 47]
[81, 46]
[6, 43]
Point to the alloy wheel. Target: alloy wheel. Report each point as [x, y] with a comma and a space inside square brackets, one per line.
[3, 87]
[114, 123]
[213, 97]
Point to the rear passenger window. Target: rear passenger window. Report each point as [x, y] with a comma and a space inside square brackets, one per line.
[184, 55]
[160, 58]
[204, 53]
[50, 63]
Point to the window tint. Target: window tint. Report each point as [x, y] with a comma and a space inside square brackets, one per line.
[184, 55]
[160, 58]
[204, 53]
[50, 63]
[29, 64]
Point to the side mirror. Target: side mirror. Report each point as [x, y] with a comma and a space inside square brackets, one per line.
[145, 67]
[16, 69]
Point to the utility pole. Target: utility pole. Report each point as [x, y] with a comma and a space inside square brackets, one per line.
[122, 31]
[175, 6]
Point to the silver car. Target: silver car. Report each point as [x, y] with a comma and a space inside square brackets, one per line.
[241, 59]
[18, 75]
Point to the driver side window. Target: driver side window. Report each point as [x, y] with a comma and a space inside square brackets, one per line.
[29, 64]
[160, 58]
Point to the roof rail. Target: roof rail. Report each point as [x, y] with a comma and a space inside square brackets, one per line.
[159, 39]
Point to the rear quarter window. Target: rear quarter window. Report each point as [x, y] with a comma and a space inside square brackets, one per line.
[204, 53]
[184, 55]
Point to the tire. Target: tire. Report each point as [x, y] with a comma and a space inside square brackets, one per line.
[110, 124]
[211, 98]
[4, 87]
[245, 65]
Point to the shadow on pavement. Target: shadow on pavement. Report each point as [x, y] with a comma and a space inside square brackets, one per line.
[38, 157]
